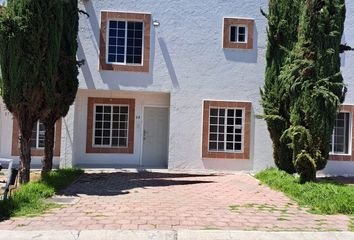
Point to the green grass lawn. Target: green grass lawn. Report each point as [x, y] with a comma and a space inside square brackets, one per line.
[29, 198]
[323, 197]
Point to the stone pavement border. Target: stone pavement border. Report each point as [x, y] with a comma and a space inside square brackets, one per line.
[172, 235]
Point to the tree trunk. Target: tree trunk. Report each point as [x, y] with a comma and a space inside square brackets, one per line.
[47, 161]
[25, 155]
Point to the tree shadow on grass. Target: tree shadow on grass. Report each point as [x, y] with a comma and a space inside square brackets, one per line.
[118, 183]
[337, 180]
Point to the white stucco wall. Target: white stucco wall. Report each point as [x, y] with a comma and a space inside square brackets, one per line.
[348, 57]
[187, 60]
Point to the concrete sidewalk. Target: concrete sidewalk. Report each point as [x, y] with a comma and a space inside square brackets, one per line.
[172, 235]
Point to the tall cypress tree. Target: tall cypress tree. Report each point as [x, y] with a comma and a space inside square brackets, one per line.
[30, 34]
[66, 81]
[310, 85]
[282, 36]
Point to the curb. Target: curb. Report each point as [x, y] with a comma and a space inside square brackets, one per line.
[171, 235]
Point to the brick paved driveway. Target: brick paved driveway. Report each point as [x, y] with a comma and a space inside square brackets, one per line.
[125, 200]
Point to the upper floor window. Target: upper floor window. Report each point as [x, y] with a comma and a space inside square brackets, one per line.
[341, 134]
[125, 41]
[125, 44]
[238, 33]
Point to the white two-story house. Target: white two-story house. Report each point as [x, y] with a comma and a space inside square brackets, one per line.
[174, 84]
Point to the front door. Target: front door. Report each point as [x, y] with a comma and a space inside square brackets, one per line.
[155, 137]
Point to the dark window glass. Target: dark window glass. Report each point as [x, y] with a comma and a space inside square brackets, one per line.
[114, 141]
[238, 146]
[121, 25]
[213, 112]
[213, 137]
[105, 141]
[238, 121]
[212, 146]
[221, 146]
[123, 142]
[113, 24]
[233, 34]
[242, 30]
[229, 146]
[242, 38]
[98, 124]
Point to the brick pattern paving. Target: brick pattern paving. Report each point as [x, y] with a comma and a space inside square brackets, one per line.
[165, 201]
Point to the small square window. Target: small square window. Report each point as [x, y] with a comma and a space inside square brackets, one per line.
[238, 34]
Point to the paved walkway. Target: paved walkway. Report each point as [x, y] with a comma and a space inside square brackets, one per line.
[175, 201]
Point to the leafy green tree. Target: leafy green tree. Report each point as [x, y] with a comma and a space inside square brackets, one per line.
[30, 34]
[309, 85]
[66, 81]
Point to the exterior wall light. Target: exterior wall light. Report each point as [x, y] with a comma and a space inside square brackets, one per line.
[156, 23]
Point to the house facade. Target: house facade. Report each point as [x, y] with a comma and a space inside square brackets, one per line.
[174, 84]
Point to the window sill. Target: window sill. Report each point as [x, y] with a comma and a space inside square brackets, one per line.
[108, 147]
[109, 150]
[340, 154]
[144, 68]
[340, 157]
[227, 152]
[125, 64]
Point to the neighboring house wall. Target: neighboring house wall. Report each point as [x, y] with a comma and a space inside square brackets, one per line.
[8, 139]
[345, 166]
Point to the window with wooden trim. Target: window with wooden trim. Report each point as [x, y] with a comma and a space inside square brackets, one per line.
[226, 130]
[37, 139]
[111, 126]
[125, 41]
[238, 33]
